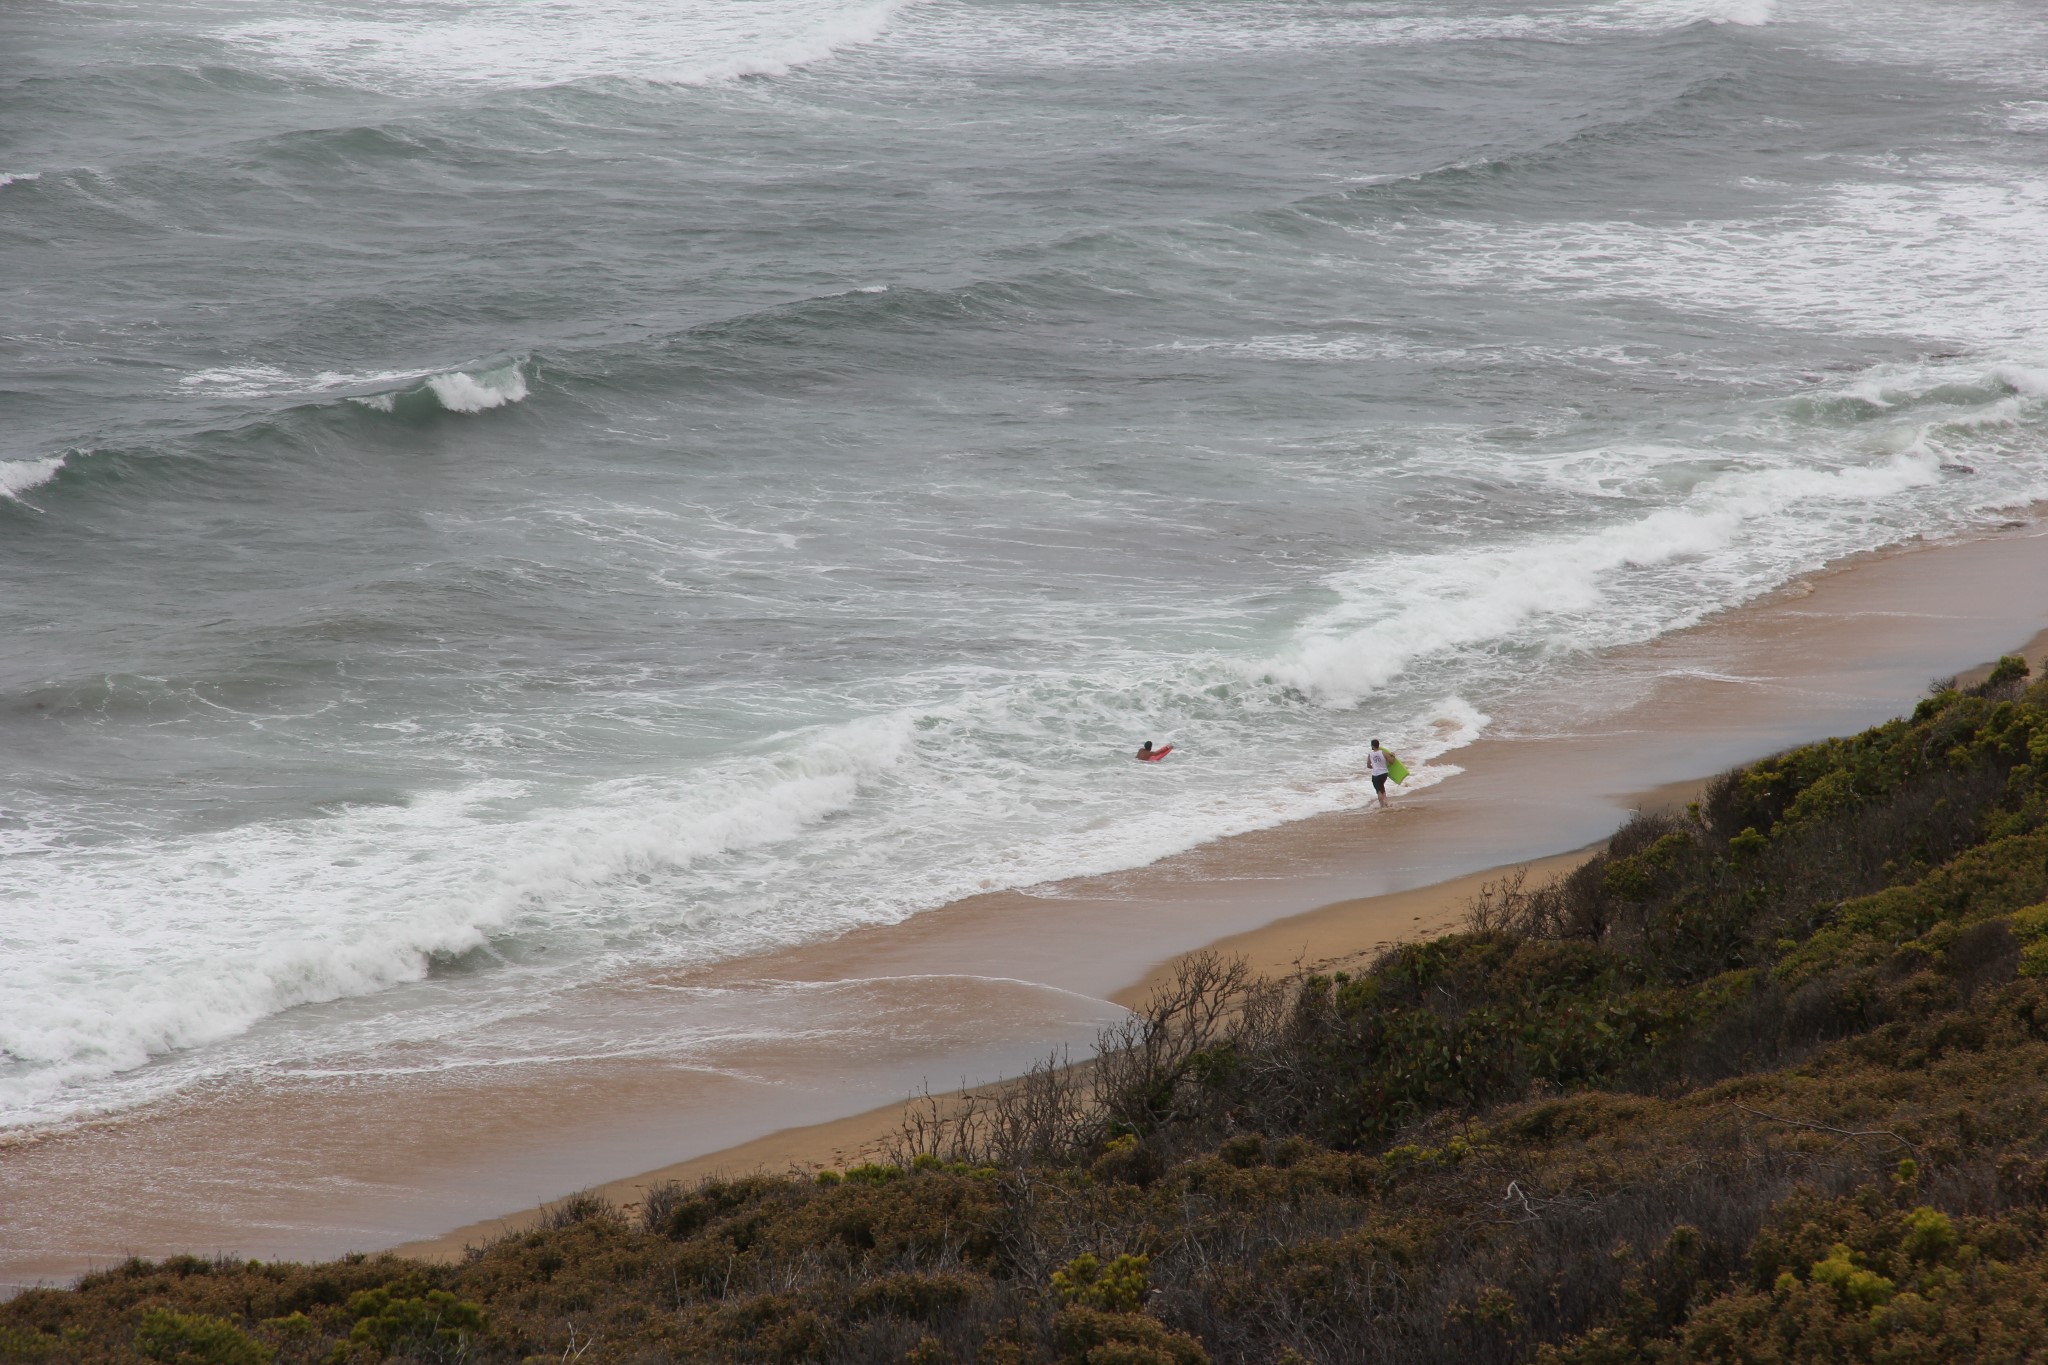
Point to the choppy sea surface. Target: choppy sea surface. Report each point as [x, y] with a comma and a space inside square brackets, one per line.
[495, 495]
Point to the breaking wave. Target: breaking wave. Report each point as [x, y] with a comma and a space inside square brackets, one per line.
[18, 476]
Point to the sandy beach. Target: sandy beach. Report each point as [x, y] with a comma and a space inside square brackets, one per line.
[306, 1166]
[1328, 937]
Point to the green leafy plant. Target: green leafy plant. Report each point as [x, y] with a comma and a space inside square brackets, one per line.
[196, 1339]
[1118, 1287]
[434, 1324]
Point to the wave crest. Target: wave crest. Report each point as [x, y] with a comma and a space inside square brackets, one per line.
[476, 390]
[18, 476]
[463, 392]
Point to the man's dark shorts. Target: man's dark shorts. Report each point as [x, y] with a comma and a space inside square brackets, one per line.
[1379, 783]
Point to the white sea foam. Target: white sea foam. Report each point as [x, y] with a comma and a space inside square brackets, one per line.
[1748, 13]
[780, 58]
[1105, 33]
[241, 381]
[464, 392]
[18, 177]
[504, 42]
[18, 476]
[2004, 41]
[193, 941]
[258, 380]
[1930, 256]
[2031, 380]
[1333, 348]
[1668, 14]
[456, 390]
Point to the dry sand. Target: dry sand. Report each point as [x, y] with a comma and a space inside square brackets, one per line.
[312, 1166]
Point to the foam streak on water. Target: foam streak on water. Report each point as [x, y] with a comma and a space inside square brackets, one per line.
[498, 497]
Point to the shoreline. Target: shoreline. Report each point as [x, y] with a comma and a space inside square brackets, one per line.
[1340, 934]
[305, 1170]
[1328, 936]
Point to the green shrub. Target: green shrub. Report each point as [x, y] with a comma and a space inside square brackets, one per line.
[1929, 1234]
[434, 1324]
[913, 1296]
[2010, 668]
[20, 1344]
[1118, 1287]
[1087, 1336]
[1856, 1285]
[196, 1339]
[873, 1173]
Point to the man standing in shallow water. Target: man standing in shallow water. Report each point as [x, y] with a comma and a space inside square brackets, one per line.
[1376, 765]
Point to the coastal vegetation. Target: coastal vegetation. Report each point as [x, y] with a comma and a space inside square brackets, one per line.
[1765, 1080]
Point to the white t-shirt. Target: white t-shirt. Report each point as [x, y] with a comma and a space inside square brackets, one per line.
[1376, 761]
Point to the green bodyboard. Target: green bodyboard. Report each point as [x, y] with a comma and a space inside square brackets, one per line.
[1396, 769]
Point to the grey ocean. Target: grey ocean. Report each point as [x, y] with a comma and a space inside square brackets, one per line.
[501, 495]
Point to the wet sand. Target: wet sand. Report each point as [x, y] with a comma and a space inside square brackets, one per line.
[396, 1150]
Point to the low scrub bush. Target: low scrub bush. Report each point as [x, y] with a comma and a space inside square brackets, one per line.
[196, 1339]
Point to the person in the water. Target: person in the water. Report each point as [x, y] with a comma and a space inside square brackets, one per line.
[1148, 754]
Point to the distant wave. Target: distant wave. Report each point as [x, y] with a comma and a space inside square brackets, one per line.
[6, 179]
[1734, 534]
[1418, 191]
[465, 391]
[322, 398]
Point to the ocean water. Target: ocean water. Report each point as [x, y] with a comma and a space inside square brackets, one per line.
[500, 495]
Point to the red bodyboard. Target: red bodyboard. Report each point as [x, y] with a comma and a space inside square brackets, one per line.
[1155, 755]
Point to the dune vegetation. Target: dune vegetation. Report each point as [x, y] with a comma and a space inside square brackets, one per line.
[1766, 1080]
